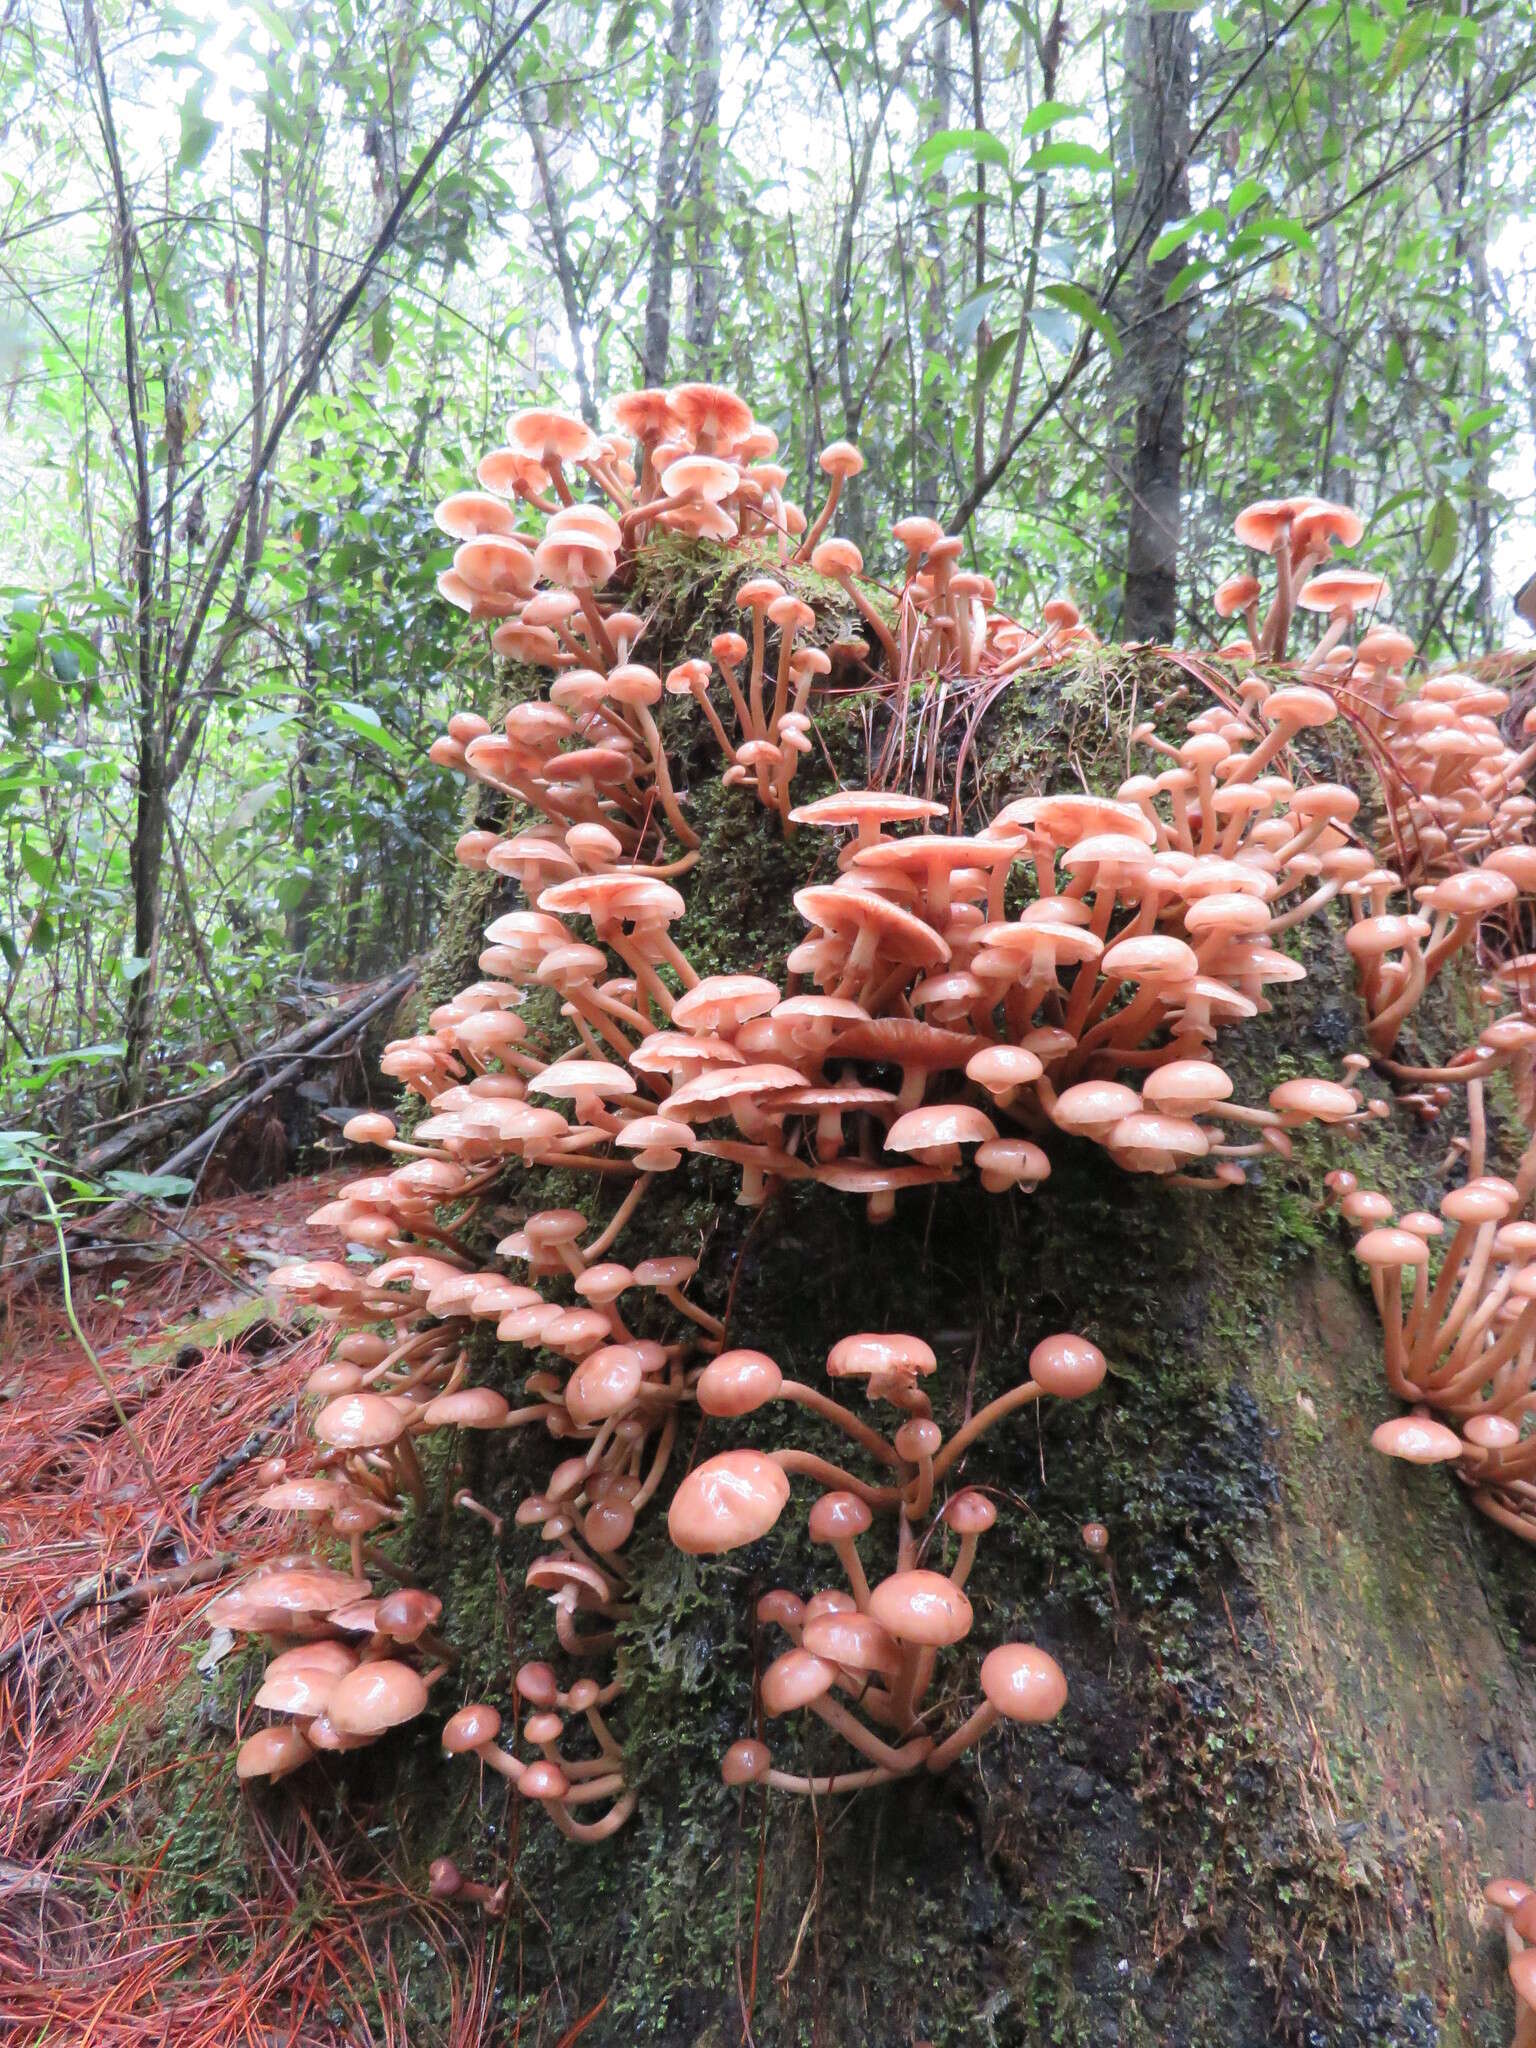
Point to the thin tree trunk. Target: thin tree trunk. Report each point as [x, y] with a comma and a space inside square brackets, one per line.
[930, 436]
[669, 165]
[1159, 50]
[565, 269]
[703, 186]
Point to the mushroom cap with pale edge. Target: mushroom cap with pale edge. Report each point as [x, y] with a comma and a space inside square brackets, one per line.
[468, 1408]
[1342, 590]
[307, 1589]
[860, 806]
[1095, 1538]
[359, 1422]
[745, 1763]
[470, 1727]
[1089, 1108]
[305, 1496]
[794, 1680]
[272, 1753]
[1417, 1439]
[1388, 1248]
[737, 1382]
[301, 1690]
[857, 1642]
[376, 1696]
[936, 1124]
[880, 1353]
[899, 933]
[727, 1502]
[1023, 1683]
[1325, 1102]
[1186, 1085]
[922, 1607]
[331, 1657]
[724, 1000]
[1067, 1366]
[1000, 1067]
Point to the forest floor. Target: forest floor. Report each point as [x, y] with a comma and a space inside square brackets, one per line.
[109, 1544]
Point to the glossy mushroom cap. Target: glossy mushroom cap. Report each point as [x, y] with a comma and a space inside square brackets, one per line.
[970, 1513]
[1067, 1366]
[272, 1753]
[1023, 1683]
[727, 1502]
[737, 1382]
[470, 1727]
[794, 1680]
[921, 1607]
[1417, 1440]
[837, 1516]
[745, 1763]
[376, 1696]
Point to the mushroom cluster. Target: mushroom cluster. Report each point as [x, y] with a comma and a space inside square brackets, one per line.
[967, 994]
[608, 1395]
[1463, 1345]
[862, 1657]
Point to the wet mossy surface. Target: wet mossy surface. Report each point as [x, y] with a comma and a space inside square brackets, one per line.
[1299, 1688]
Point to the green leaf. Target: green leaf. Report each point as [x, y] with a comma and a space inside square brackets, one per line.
[1087, 308]
[1287, 229]
[382, 337]
[974, 142]
[159, 1187]
[994, 355]
[1208, 222]
[197, 131]
[1046, 115]
[1440, 535]
[970, 316]
[1474, 422]
[361, 719]
[1243, 195]
[1068, 156]
[1182, 280]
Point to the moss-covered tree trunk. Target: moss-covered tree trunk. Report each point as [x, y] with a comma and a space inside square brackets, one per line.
[1296, 1740]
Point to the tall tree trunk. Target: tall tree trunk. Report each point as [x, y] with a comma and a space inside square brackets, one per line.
[560, 252]
[669, 169]
[703, 187]
[1159, 51]
[930, 430]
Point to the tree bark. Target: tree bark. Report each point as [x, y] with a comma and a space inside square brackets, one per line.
[703, 187]
[1159, 51]
[669, 169]
[932, 457]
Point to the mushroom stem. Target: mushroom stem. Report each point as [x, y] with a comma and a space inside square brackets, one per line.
[593, 1830]
[981, 1422]
[839, 1781]
[907, 1758]
[833, 1476]
[970, 1731]
[833, 1411]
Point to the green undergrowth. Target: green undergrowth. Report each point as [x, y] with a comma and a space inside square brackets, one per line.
[1214, 1844]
